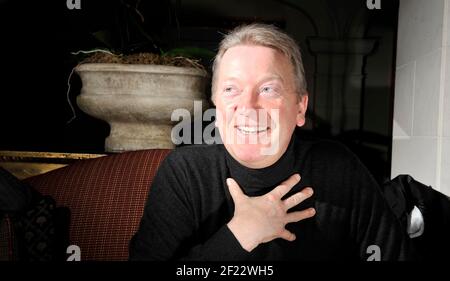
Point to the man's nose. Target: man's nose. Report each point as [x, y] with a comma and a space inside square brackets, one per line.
[248, 100]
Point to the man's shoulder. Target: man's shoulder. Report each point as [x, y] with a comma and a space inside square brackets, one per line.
[329, 154]
[326, 148]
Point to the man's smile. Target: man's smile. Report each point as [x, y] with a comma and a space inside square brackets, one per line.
[247, 130]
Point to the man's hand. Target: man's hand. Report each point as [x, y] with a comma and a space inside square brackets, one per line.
[262, 219]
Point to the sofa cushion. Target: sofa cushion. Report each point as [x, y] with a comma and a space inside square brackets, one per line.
[31, 227]
[14, 197]
[106, 197]
[42, 230]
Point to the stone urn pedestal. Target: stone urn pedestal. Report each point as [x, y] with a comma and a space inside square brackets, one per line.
[137, 101]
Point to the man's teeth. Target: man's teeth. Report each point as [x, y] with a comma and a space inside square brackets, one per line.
[251, 130]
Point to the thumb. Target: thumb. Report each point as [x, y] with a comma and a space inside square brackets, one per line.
[235, 190]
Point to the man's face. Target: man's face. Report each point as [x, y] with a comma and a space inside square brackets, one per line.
[257, 105]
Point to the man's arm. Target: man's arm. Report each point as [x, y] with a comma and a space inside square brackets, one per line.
[373, 223]
[167, 229]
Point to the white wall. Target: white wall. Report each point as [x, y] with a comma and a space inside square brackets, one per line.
[421, 131]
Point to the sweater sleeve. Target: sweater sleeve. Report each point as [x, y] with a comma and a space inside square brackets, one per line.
[374, 227]
[168, 227]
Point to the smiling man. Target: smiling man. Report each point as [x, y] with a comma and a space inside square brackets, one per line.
[265, 194]
[258, 103]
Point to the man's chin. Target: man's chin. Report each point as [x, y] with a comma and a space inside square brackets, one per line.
[252, 155]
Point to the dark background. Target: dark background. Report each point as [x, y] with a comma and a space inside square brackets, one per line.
[37, 38]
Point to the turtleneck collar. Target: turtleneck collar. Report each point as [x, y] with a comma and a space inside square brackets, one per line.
[255, 182]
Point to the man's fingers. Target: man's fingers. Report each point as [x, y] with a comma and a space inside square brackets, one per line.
[298, 197]
[300, 215]
[287, 235]
[235, 190]
[285, 186]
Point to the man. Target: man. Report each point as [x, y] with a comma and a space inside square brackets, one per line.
[252, 197]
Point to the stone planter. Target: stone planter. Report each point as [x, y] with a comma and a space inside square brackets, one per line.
[137, 101]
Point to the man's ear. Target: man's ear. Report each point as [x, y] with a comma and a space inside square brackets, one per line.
[302, 107]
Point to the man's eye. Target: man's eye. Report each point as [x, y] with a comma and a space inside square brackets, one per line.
[230, 90]
[268, 90]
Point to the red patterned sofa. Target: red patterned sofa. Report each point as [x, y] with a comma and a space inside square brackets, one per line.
[106, 197]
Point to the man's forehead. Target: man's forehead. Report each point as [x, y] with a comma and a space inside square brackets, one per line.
[230, 77]
[265, 62]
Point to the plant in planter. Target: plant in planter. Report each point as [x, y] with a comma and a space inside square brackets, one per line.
[137, 99]
[137, 93]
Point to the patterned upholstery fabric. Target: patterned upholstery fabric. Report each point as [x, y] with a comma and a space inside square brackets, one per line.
[8, 244]
[42, 230]
[106, 197]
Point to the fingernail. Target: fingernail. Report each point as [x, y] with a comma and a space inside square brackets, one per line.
[310, 191]
[312, 211]
[299, 177]
[228, 181]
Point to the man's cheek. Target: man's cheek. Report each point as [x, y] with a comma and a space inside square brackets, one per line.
[222, 123]
[275, 136]
[219, 123]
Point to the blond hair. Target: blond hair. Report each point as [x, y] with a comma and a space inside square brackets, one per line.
[267, 36]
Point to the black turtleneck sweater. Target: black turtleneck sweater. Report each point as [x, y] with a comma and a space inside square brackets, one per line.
[189, 206]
